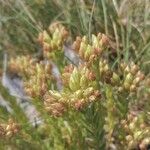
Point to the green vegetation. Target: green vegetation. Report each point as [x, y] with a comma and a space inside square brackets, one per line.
[100, 100]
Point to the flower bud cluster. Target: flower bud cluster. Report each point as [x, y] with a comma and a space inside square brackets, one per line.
[40, 80]
[79, 90]
[137, 131]
[22, 65]
[143, 97]
[52, 104]
[9, 129]
[91, 51]
[132, 76]
[105, 72]
[53, 39]
[12, 128]
[37, 75]
[126, 78]
[76, 78]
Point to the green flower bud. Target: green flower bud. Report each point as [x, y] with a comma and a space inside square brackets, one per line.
[83, 82]
[137, 134]
[100, 64]
[84, 39]
[122, 66]
[95, 42]
[86, 73]
[73, 85]
[78, 94]
[56, 35]
[53, 44]
[106, 68]
[127, 69]
[88, 91]
[39, 70]
[83, 71]
[46, 36]
[101, 70]
[58, 43]
[88, 52]
[83, 46]
[76, 75]
[55, 94]
[126, 85]
[82, 49]
[134, 69]
[115, 78]
[129, 78]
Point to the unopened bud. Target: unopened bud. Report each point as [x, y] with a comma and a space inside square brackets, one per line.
[55, 94]
[136, 80]
[78, 93]
[129, 78]
[94, 40]
[126, 85]
[115, 78]
[129, 138]
[73, 84]
[123, 65]
[106, 68]
[88, 91]
[75, 75]
[83, 81]
[132, 88]
[9, 134]
[88, 52]
[127, 70]
[131, 126]
[46, 36]
[137, 134]
[92, 98]
[134, 69]
[84, 39]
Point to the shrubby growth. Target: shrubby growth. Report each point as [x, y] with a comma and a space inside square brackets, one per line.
[102, 105]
